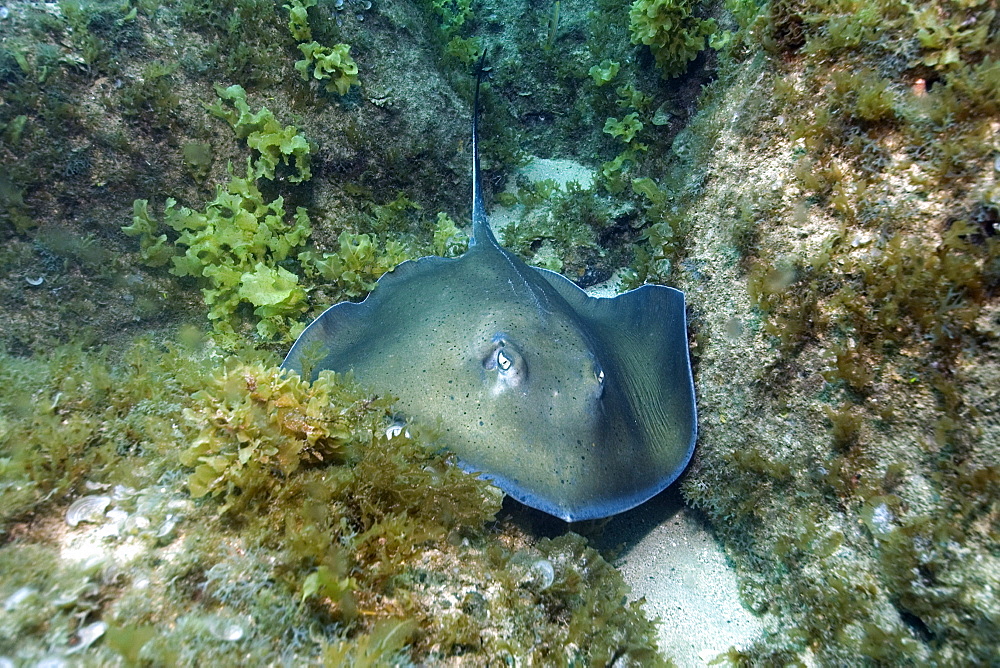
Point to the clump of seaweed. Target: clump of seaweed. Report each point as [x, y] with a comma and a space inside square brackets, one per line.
[356, 264]
[271, 143]
[671, 30]
[333, 63]
[234, 247]
[280, 417]
[313, 532]
[557, 227]
[329, 62]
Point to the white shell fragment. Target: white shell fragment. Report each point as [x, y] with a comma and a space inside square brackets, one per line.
[544, 573]
[115, 522]
[18, 597]
[87, 509]
[87, 635]
[136, 524]
[533, 571]
[225, 629]
[167, 528]
[395, 429]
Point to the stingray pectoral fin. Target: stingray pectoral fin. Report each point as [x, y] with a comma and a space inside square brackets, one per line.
[347, 335]
[320, 342]
[649, 421]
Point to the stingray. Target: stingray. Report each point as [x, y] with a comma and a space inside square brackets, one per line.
[578, 406]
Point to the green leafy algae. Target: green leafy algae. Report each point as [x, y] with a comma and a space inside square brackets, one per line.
[604, 72]
[465, 51]
[272, 143]
[298, 19]
[625, 129]
[671, 30]
[453, 14]
[232, 247]
[357, 264]
[449, 241]
[333, 63]
[329, 62]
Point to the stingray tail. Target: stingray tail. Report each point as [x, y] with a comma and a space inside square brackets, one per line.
[481, 231]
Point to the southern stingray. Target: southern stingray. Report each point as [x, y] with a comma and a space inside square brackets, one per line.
[578, 406]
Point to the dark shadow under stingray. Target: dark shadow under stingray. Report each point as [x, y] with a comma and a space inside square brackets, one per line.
[613, 536]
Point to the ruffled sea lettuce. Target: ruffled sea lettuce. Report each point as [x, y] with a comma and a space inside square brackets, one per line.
[232, 247]
[671, 31]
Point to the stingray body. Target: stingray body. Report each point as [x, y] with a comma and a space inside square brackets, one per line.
[580, 407]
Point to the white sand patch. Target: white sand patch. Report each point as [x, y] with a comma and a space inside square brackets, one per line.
[560, 171]
[671, 558]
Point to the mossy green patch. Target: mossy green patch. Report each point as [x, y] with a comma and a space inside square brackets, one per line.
[242, 37]
[559, 227]
[870, 268]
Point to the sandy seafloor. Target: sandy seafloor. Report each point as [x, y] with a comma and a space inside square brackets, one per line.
[673, 560]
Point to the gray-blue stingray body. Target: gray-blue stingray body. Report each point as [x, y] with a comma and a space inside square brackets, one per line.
[578, 406]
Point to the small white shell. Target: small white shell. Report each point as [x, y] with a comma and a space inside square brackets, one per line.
[136, 524]
[87, 509]
[87, 635]
[544, 573]
[18, 597]
[395, 429]
[225, 629]
[121, 492]
[114, 522]
[167, 527]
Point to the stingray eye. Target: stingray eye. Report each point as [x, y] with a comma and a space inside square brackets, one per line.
[505, 366]
[600, 376]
